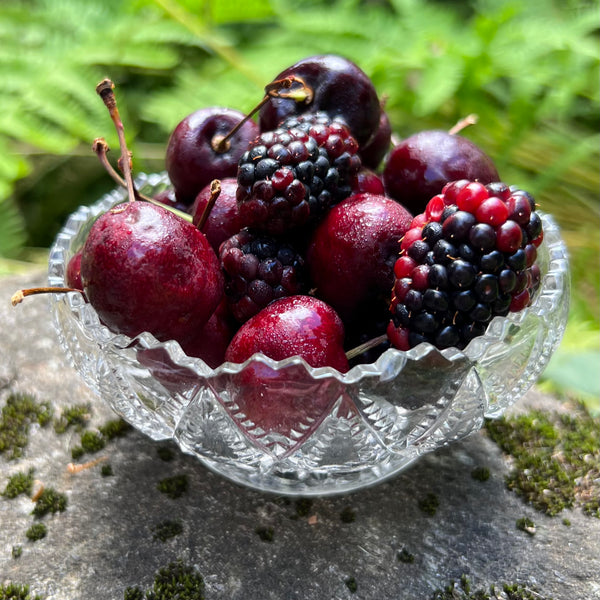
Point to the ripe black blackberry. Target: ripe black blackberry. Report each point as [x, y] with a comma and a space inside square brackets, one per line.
[259, 269]
[292, 175]
[472, 258]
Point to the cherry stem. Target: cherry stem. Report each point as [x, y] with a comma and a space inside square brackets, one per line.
[372, 343]
[105, 90]
[100, 147]
[463, 124]
[19, 296]
[275, 89]
[215, 191]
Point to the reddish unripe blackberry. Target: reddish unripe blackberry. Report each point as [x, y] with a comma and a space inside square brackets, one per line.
[259, 269]
[464, 264]
[294, 174]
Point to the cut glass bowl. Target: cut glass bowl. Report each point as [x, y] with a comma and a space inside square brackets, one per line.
[354, 429]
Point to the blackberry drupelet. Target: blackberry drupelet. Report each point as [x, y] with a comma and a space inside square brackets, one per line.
[259, 269]
[292, 175]
[472, 258]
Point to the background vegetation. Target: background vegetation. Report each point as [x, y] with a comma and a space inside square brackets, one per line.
[528, 69]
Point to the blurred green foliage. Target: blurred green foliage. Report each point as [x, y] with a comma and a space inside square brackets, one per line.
[529, 70]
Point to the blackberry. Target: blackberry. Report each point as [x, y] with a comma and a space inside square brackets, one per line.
[258, 269]
[471, 259]
[292, 175]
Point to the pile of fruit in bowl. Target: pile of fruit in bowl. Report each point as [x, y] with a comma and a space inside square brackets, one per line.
[301, 301]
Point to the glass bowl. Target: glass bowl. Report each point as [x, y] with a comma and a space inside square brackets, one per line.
[353, 430]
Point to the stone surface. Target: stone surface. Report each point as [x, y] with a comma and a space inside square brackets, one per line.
[105, 542]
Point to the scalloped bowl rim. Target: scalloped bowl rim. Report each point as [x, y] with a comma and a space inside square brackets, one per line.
[120, 341]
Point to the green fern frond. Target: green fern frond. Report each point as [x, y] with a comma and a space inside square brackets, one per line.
[12, 227]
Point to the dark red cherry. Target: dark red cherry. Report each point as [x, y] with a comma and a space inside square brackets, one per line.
[352, 252]
[293, 326]
[288, 399]
[367, 182]
[145, 269]
[194, 154]
[373, 152]
[284, 402]
[418, 167]
[211, 341]
[223, 220]
[340, 89]
[73, 274]
[168, 198]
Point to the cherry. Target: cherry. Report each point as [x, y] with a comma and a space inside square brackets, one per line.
[367, 182]
[168, 198]
[73, 273]
[145, 269]
[418, 167]
[195, 155]
[353, 250]
[210, 343]
[223, 220]
[293, 326]
[281, 402]
[339, 88]
[373, 152]
[285, 400]
[175, 378]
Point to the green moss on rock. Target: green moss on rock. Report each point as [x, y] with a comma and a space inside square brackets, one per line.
[556, 458]
[50, 501]
[480, 473]
[18, 414]
[75, 416]
[13, 591]
[303, 507]
[19, 483]
[114, 428]
[165, 453]
[429, 504]
[527, 525]
[405, 556]
[462, 591]
[174, 486]
[351, 584]
[36, 532]
[265, 532]
[348, 515]
[106, 470]
[77, 452]
[167, 529]
[92, 441]
[175, 581]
